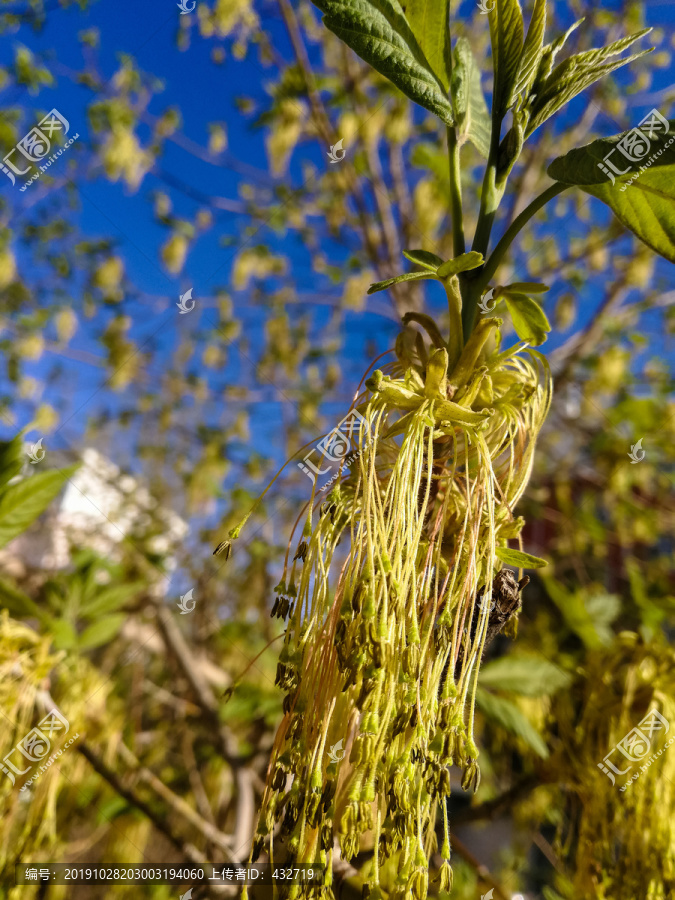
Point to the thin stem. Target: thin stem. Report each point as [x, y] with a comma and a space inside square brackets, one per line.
[483, 278]
[458, 243]
[455, 340]
[514, 228]
[490, 193]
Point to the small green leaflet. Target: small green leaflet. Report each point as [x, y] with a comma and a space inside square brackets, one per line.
[527, 287]
[409, 276]
[12, 455]
[532, 53]
[529, 676]
[424, 258]
[575, 74]
[643, 201]
[471, 112]
[429, 22]
[506, 33]
[462, 263]
[529, 319]
[381, 35]
[22, 503]
[512, 719]
[519, 559]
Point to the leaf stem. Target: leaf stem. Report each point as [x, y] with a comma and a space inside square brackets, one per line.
[455, 340]
[458, 242]
[512, 231]
[483, 277]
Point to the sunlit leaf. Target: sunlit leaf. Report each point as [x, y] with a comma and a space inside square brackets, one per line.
[379, 32]
[507, 714]
[519, 559]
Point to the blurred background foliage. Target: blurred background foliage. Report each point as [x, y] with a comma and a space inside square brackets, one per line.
[202, 161]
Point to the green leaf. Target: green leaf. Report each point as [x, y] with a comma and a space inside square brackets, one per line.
[19, 604]
[512, 719]
[110, 598]
[378, 31]
[529, 319]
[22, 503]
[519, 559]
[533, 49]
[64, 634]
[101, 632]
[424, 258]
[530, 676]
[573, 609]
[463, 263]
[12, 457]
[644, 202]
[575, 74]
[527, 287]
[409, 276]
[506, 33]
[473, 117]
[429, 22]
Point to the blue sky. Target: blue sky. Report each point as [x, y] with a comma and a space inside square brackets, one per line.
[205, 92]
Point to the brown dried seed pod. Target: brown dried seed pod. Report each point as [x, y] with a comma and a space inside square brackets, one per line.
[301, 553]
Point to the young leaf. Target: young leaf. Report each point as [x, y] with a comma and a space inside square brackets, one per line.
[379, 32]
[643, 201]
[110, 598]
[529, 676]
[20, 604]
[462, 263]
[575, 74]
[471, 112]
[533, 49]
[22, 503]
[506, 34]
[424, 258]
[529, 319]
[409, 276]
[528, 287]
[520, 559]
[101, 632]
[512, 719]
[429, 22]
[12, 455]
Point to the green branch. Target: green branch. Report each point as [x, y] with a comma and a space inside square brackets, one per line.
[513, 230]
[458, 244]
[476, 285]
